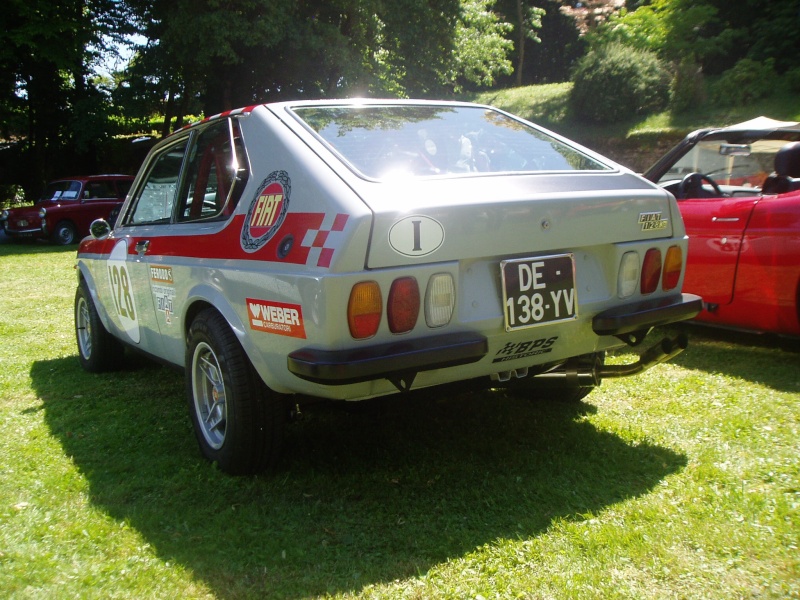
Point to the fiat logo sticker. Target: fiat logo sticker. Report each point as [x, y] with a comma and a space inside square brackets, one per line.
[267, 211]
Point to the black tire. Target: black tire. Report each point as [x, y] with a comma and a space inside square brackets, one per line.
[64, 234]
[98, 350]
[237, 420]
[552, 390]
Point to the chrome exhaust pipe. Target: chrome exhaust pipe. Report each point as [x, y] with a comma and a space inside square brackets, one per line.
[590, 374]
[661, 352]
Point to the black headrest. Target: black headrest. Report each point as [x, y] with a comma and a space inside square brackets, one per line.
[787, 160]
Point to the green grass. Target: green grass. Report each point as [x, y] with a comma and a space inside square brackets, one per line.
[680, 483]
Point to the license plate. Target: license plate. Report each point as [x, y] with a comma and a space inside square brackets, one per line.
[538, 290]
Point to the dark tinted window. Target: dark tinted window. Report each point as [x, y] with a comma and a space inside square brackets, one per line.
[99, 189]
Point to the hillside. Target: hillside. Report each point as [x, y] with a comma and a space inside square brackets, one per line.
[637, 143]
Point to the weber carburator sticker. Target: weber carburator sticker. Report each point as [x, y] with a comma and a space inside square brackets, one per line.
[276, 317]
[267, 211]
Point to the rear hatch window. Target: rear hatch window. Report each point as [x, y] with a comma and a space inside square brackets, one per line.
[388, 141]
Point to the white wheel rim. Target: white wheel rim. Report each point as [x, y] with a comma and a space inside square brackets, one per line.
[83, 326]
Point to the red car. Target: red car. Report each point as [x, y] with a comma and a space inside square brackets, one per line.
[67, 208]
[738, 189]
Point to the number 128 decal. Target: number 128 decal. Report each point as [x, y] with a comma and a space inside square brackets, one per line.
[121, 286]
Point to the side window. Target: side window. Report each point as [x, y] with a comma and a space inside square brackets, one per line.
[96, 190]
[216, 173]
[156, 197]
[123, 187]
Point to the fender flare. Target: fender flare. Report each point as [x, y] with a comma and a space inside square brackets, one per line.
[204, 296]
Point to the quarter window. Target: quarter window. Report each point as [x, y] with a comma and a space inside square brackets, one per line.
[216, 173]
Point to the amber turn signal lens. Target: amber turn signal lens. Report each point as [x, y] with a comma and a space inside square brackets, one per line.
[672, 268]
[364, 309]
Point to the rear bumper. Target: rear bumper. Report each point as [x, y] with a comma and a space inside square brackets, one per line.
[642, 315]
[396, 360]
[387, 361]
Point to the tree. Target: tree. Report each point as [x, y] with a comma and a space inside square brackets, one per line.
[715, 33]
[481, 49]
[529, 19]
[277, 49]
[47, 53]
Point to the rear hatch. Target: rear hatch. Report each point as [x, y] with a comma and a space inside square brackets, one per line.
[513, 215]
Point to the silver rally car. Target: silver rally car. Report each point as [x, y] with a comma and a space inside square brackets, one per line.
[352, 249]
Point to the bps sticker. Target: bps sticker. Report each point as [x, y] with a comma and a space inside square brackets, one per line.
[513, 351]
[267, 211]
[276, 317]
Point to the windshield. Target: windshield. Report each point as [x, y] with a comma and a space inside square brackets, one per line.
[383, 142]
[745, 165]
[61, 190]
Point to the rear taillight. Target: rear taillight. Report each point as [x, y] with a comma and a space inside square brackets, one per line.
[673, 264]
[651, 271]
[403, 307]
[364, 309]
[440, 299]
[628, 277]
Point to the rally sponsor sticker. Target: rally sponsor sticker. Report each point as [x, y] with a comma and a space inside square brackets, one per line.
[515, 350]
[276, 317]
[161, 282]
[267, 211]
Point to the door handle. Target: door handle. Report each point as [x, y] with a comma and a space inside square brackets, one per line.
[725, 219]
[142, 246]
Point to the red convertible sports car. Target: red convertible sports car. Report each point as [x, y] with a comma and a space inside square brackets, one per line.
[738, 189]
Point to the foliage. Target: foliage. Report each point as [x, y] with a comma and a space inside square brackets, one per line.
[681, 482]
[745, 83]
[614, 82]
[688, 86]
[47, 50]
[481, 49]
[672, 29]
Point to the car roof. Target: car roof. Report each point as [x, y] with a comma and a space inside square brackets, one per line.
[91, 177]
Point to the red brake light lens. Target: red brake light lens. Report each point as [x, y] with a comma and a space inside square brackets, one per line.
[651, 271]
[403, 307]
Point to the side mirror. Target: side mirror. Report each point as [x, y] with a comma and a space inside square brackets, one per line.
[100, 229]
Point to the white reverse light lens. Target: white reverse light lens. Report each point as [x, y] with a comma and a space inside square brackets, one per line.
[628, 279]
[440, 299]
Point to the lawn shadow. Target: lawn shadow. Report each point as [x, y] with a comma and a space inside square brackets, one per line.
[767, 359]
[9, 247]
[362, 497]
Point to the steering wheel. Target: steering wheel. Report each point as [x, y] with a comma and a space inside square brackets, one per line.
[691, 186]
